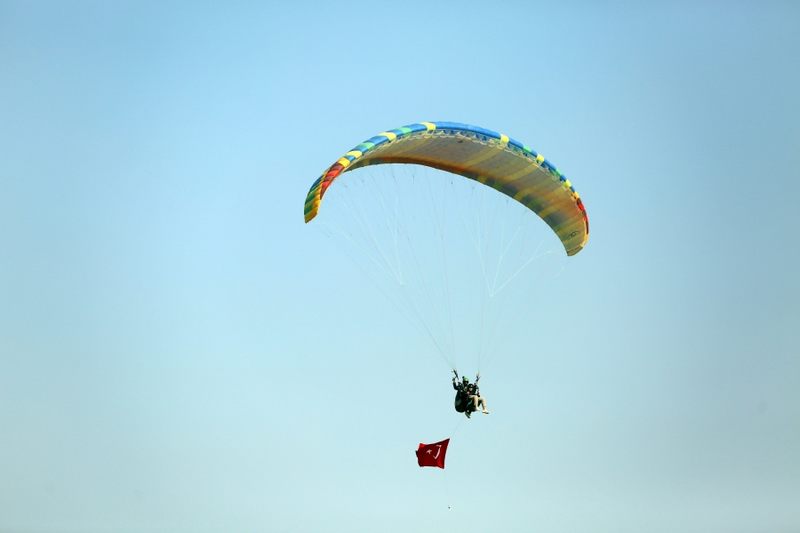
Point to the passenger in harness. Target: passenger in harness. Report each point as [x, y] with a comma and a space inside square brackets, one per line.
[468, 396]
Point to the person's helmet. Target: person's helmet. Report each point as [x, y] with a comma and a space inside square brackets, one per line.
[465, 379]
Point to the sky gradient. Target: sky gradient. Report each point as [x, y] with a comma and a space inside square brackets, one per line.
[179, 352]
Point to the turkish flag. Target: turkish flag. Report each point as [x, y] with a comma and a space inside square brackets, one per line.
[432, 454]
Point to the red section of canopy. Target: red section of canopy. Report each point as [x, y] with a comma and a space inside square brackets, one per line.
[432, 454]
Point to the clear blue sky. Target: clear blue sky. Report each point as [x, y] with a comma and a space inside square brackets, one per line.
[172, 333]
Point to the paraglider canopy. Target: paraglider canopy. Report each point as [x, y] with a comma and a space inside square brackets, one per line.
[488, 157]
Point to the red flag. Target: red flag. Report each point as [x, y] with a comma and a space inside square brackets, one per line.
[432, 454]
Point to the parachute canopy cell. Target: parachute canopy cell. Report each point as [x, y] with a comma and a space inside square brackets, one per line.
[491, 158]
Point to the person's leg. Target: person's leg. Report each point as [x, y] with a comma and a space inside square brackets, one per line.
[483, 405]
[475, 402]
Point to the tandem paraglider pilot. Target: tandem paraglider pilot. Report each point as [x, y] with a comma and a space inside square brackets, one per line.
[468, 396]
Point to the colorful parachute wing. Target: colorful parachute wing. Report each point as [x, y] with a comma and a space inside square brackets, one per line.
[491, 158]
